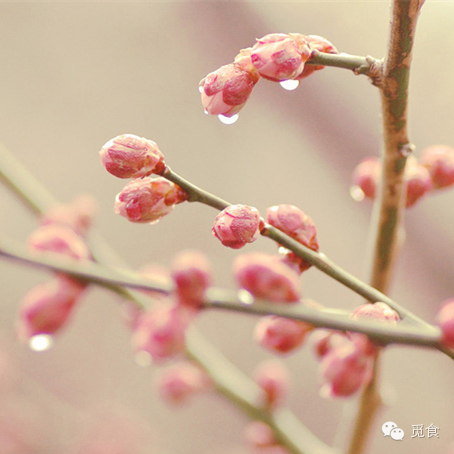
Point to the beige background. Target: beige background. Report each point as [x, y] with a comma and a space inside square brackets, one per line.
[73, 75]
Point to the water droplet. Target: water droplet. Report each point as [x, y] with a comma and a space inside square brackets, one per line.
[245, 297]
[356, 193]
[143, 359]
[200, 88]
[289, 84]
[228, 120]
[205, 112]
[40, 342]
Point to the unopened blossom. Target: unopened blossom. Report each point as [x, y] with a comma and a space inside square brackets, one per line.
[226, 90]
[366, 178]
[266, 277]
[191, 273]
[320, 44]
[324, 340]
[344, 370]
[280, 56]
[439, 161]
[161, 332]
[237, 225]
[47, 307]
[148, 199]
[59, 239]
[77, 215]
[130, 156]
[181, 381]
[445, 320]
[296, 224]
[279, 334]
[259, 435]
[418, 182]
[273, 378]
[378, 311]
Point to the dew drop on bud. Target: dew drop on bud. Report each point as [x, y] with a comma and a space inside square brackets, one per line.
[245, 297]
[40, 342]
[200, 89]
[289, 84]
[356, 193]
[143, 359]
[205, 112]
[228, 120]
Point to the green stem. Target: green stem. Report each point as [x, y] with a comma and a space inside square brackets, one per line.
[220, 299]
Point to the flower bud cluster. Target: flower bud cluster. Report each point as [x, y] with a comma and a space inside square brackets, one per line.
[276, 57]
[433, 171]
[46, 308]
[144, 199]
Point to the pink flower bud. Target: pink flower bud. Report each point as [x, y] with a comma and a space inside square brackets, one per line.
[324, 340]
[321, 45]
[226, 90]
[148, 199]
[191, 272]
[418, 181]
[77, 215]
[130, 156]
[280, 334]
[266, 277]
[59, 239]
[445, 319]
[296, 224]
[344, 370]
[181, 381]
[161, 332]
[47, 307]
[237, 225]
[272, 377]
[373, 312]
[439, 161]
[366, 178]
[280, 56]
[259, 435]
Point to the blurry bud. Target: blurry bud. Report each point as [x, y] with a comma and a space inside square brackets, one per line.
[439, 161]
[273, 378]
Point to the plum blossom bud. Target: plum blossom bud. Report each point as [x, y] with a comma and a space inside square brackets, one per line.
[259, 435]
[47, 307]
[418, 182]
[296, 224]
[226, 90]
[77, 215]
[237, 225]
[279, 334]
[181, 381]
[280, 56]
[344, 370]
[319, 44]
[266, 277]
[324, 340]
[191, 272]
[148, 199]
[161, 332]
[365, 179]
[373, 312]
[445, 320]
[59, 239]
[439, 161]
[272, 377]
[130, 156]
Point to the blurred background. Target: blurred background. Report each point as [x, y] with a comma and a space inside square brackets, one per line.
[76, 74]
